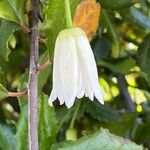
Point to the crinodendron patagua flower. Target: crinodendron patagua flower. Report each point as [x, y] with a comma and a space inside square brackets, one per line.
[74, 69]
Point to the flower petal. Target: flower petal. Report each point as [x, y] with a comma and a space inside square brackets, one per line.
[56, 75]
[89, 69]
[68, 70]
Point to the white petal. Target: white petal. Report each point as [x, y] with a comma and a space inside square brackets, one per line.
[89, 69]
[68, 70]
[56, 77]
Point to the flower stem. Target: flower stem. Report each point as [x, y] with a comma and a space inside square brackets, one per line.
[75, 114]
[68, 14]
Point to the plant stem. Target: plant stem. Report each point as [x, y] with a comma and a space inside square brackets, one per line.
[126, 99]
[115, 47]
[33, 77]
[68, 14]
[75, 114]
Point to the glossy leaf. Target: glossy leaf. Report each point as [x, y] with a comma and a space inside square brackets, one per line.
[99, 112]
[47, 123]
[12, 10]
[3, 92]
[7, 28]
[117, 4]
[55, 20]
[7, 138]
[99, 140]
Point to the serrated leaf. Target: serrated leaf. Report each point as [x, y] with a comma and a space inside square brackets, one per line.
[47, 123]
[12, 10]
[7, 28]
[55, 20]
[122, 65]
[3, 92]
[144, 55]
[117, 4]
[99, 112]
[22, 130]
[7, 138]
[101, 140]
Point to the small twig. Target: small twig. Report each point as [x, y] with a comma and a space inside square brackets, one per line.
[17, 94]
[122, 83]
[44, 66]
[42, 40]
[27, 30]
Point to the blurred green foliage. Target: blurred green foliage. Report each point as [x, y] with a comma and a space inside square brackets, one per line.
[122, 50]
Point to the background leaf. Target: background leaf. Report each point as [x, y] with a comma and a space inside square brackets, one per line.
[7, 139]
[117, 4]
[144, 55]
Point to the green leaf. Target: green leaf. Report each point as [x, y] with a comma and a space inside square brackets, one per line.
[117, 4]
[7, 28]
[55, 20]
[12, 10]
[101, 140]
[144, 55]
[122, 65]
[100, 112]
[3, 92]
[47, 123]
[7, 138]
[22, 130]
[140, 18]
[44, 74]
[122, 126]
[141, 133]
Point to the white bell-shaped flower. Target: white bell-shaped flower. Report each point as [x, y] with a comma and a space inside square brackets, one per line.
[74, 69]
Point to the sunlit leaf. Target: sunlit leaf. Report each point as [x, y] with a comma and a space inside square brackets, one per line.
[3, 92]
[12, 10]
[6, 30]
[99, 140]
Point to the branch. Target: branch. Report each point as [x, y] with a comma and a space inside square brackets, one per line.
[125, 94]
[17, 94]
[45, 65]
[33, 77]
[27, 30]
